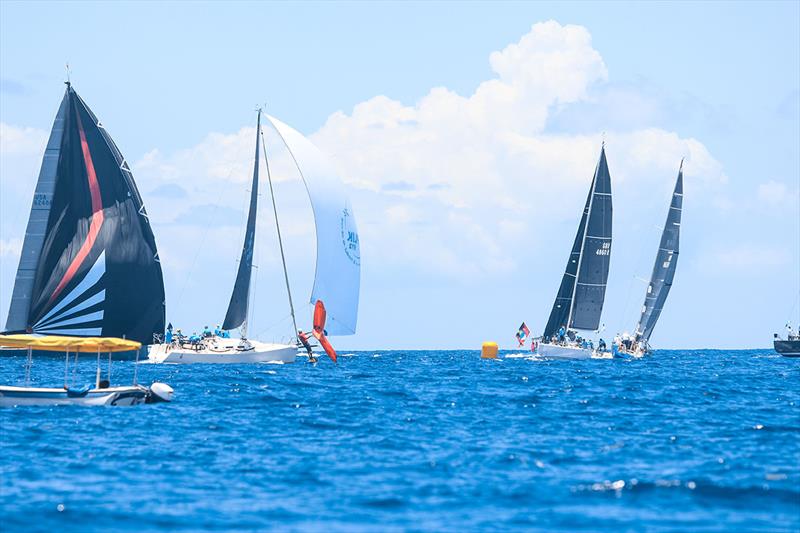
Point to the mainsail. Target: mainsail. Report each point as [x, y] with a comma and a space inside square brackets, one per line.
[664, 267]
[338, 267]
[89, 264]
[237, 308]
[579, 302]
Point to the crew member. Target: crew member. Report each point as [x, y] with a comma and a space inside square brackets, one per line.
[303, 338]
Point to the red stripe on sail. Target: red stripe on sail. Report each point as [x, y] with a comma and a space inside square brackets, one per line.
[97, 215]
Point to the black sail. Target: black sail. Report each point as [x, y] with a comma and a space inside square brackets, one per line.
[97, 271]
[590, 288]
[665, 265]
[237, 308]
[560, 312]
[580, 297]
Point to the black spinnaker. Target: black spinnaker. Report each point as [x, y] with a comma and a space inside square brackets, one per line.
[89, 264]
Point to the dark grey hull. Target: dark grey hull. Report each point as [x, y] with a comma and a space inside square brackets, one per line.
[788, 348]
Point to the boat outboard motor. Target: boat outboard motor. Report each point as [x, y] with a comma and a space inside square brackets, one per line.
[160, 392]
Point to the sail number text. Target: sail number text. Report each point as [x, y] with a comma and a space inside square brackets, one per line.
[605, 249]
[41, 200]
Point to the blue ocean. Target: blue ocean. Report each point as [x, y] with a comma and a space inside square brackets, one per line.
[420, 440]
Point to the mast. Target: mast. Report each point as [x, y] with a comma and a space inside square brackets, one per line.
[278, 228]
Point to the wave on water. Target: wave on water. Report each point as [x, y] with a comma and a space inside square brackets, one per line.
[420, 440]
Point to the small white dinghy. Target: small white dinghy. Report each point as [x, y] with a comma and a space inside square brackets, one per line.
[70, 394]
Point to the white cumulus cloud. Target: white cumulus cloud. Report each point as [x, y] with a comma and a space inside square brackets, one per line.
[452, 184]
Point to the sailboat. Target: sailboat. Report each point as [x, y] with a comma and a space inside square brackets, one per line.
[663, 274]
[89, 265]
[579, 302]
[338, 266]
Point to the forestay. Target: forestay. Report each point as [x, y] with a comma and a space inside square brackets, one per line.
[89, 264]
[561, 307]
[338, 266]
[665, 265]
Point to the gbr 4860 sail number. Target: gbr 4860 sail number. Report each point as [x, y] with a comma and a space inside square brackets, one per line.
[605, 249]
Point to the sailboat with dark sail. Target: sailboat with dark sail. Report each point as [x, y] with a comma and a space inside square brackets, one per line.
[337, 276]
[662, 277]
[89, 266]
[579, 302]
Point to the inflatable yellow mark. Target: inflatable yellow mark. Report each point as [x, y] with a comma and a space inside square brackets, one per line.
[489, 350]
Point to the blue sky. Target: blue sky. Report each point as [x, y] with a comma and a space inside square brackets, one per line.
[466, 133]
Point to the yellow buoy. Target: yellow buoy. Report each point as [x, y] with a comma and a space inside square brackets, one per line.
[489, 350]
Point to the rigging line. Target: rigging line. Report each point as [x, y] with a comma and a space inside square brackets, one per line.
[626, 312]
[208, 227]
[274, 325]
[278, 228]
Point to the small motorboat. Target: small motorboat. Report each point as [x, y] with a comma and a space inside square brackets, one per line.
[102, 393]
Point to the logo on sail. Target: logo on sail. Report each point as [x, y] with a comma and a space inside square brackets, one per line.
[350, 238]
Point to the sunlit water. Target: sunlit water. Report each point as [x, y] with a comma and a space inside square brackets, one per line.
[417, 440]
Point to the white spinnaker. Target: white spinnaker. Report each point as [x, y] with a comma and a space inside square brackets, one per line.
[338, 272]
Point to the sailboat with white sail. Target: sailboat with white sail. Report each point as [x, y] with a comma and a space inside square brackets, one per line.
[338, 265]
[89, 266]
[662, 277]
[579, 302]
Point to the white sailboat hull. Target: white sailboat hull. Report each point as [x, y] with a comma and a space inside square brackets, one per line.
[556, 351]
[32, 396]
[223, 351]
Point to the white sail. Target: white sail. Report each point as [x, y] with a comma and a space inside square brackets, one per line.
[338, 270]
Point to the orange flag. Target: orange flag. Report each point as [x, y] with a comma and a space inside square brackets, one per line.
[319, 330]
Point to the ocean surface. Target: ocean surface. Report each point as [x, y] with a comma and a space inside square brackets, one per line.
[425, 440]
